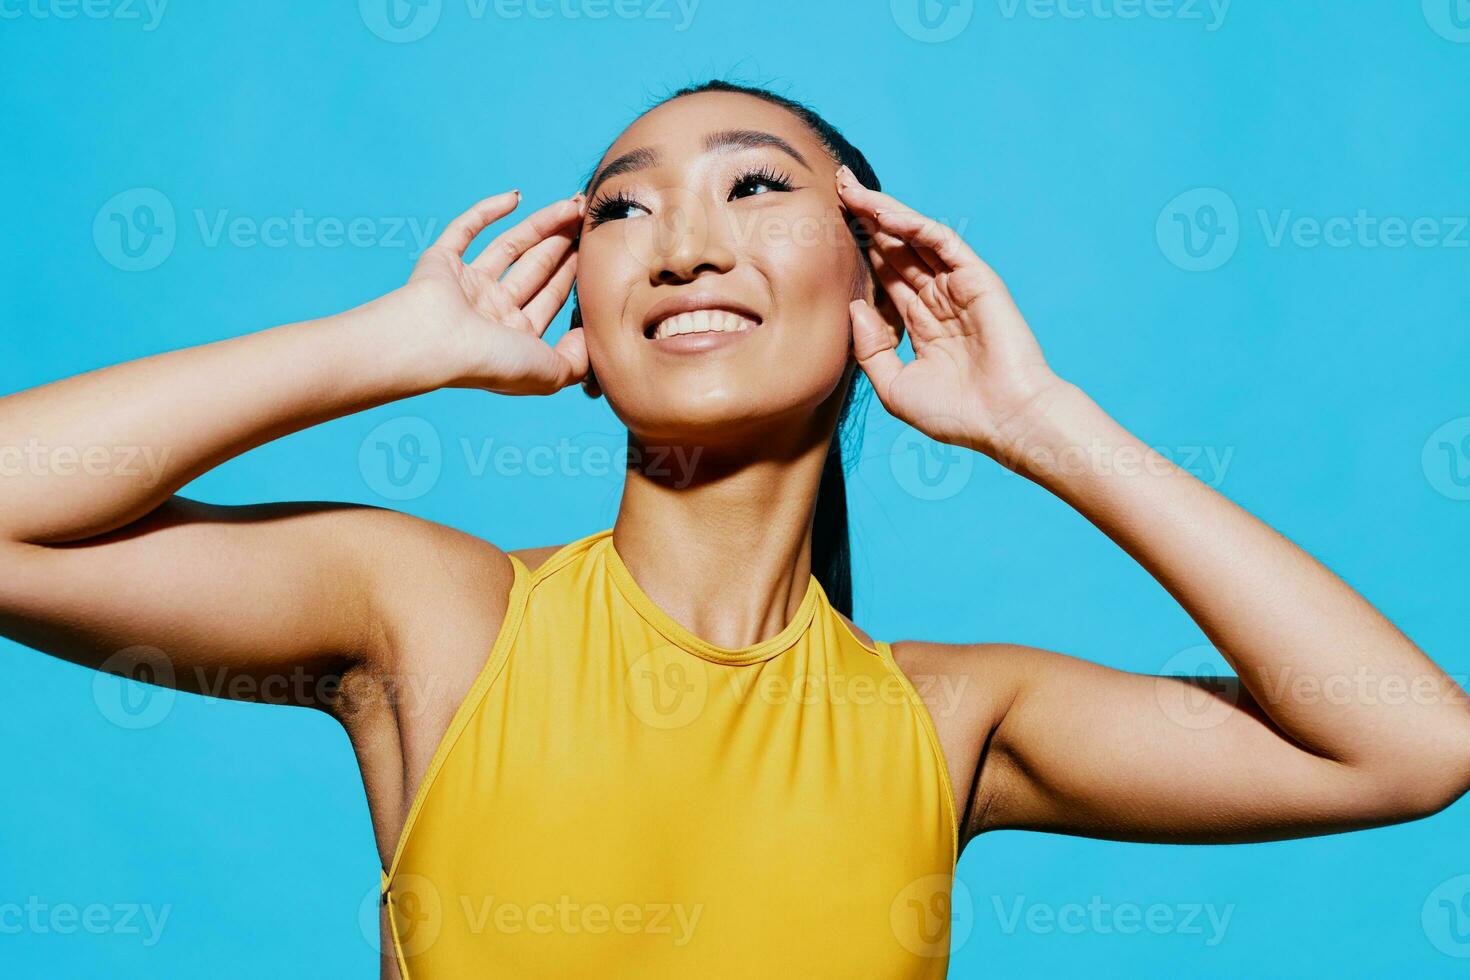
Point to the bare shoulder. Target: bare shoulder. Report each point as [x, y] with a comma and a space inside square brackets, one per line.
[993, 668]
[438, 598]
[429, 583]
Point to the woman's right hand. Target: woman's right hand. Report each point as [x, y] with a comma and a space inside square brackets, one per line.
[491, 326]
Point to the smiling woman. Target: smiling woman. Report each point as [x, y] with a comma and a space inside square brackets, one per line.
[792, 238]
[664, 749]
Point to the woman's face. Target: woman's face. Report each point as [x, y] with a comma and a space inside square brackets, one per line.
[722, 203]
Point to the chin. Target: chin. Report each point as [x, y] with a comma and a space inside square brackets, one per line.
[744, 413]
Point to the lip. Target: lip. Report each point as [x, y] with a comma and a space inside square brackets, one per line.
[690, 303]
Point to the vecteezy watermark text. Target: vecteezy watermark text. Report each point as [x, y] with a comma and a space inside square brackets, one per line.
[1201, 229]
[148, 13]
[37, 917]
[1098, 917]
[1210, 14]
[35, 458]
[137, 229]
[405, 21]
[403, 458]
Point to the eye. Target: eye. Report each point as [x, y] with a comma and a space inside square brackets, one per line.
[762, 180]
[620, 205]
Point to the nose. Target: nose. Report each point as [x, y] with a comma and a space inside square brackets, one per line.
[691, 242]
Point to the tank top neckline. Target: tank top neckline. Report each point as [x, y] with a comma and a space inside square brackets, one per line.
[685, 639]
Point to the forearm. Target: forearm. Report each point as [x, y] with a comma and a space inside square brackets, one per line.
[91, 453]
[1326, 666]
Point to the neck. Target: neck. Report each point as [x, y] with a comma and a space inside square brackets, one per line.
[720, 539]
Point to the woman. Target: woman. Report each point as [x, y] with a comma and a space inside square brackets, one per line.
[664, 750]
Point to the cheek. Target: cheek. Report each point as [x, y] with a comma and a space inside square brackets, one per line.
[601, 280]
[603, 277]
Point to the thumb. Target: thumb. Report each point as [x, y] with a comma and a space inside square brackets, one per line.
[572, 348]
[874, 345]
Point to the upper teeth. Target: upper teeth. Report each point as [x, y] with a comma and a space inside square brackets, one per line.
[702, 321]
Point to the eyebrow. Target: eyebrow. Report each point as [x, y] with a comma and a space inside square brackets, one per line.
[745, 139]
[725, 139]
[639, 159]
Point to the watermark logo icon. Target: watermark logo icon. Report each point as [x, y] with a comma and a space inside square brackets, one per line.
[932, 21]
[401, 459]
[1202, 701]
[1446, 917]
[1199, 230]
[135, 230]
[682, 229]
[1446, 459]
[929, 470]
[368, 911]
[417, 914]
[666, 687]
[400, 21]
[1450, 19]
[933, 915]
[133, 688]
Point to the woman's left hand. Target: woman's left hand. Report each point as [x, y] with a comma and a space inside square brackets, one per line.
[978, 376]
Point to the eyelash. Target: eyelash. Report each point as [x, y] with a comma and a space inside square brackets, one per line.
[606, 208]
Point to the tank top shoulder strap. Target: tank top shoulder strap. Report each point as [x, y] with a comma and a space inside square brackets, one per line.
[524, 583]
[565, 555]
[499, 652]
[921, 711]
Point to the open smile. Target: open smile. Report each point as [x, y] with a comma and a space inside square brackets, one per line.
[696, 315]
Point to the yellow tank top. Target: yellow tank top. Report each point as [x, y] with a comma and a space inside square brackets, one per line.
[616, 797]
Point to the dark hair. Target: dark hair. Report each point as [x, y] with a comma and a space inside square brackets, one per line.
[831, 546]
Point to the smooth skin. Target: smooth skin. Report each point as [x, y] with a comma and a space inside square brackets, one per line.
[389, 617]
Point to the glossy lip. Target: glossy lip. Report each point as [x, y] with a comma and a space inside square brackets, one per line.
[691, 303]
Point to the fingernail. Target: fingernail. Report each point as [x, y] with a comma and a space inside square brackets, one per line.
[845, 175]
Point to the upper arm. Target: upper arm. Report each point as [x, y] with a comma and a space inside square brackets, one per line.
[267, 603]
[1070, 746]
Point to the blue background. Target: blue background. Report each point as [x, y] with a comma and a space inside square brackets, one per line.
[1054, 143]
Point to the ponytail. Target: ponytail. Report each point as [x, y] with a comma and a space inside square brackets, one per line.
[831, 545]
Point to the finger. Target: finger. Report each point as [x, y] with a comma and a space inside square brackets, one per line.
[904, 260]
[895, 285]
[512, 244]
[862, 200]
[915, 312]
[544, 307]
[867, 205]
[922, 232]
[572, 348]
[532, 270]
[461, 231]
[874, 346]
[932, 263]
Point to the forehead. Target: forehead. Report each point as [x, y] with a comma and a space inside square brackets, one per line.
[677, 128]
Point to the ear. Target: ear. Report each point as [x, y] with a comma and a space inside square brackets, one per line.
[884, 305]
[590, 387]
